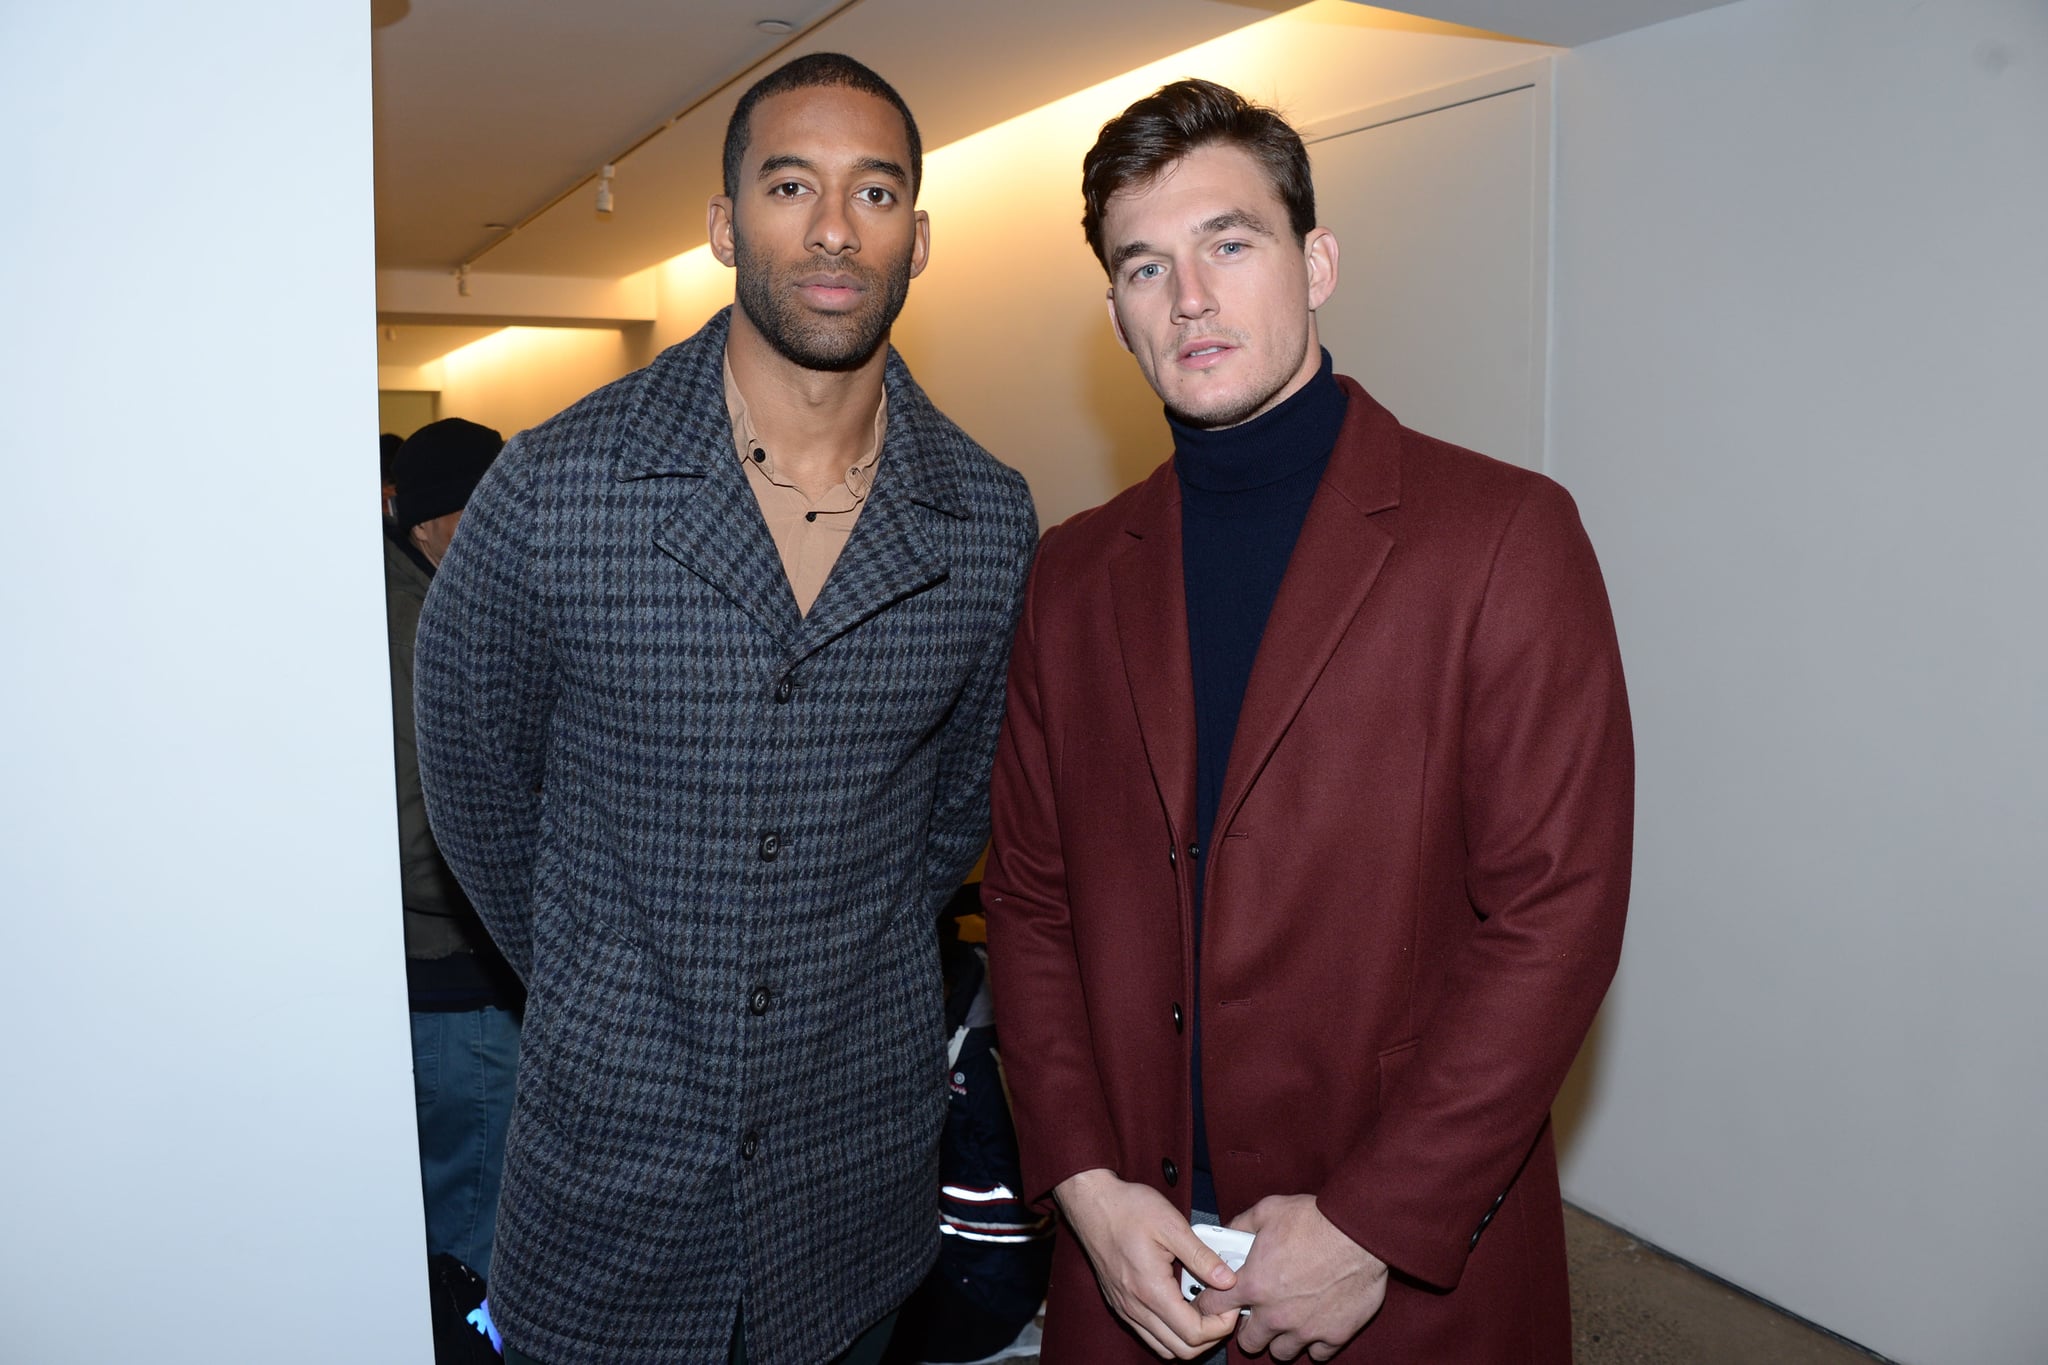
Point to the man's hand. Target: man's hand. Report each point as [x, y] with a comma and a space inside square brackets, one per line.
[1133, 1237]
[1310, 1288]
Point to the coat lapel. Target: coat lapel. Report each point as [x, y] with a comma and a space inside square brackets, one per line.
[891, 554]
[1335, 562]
[719, 535]
[675, 429]
[1149, 596]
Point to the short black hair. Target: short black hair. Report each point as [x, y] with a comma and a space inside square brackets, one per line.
[815, 71]
[1174, 120]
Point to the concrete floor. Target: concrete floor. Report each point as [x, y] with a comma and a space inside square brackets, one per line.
[1632, 1305]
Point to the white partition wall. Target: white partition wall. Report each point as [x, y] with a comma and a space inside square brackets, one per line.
[1800, 285]
[1440, 203]
[207, 1154]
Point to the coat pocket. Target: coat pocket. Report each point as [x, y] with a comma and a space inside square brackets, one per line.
[594, 1019]
[1394, 1063]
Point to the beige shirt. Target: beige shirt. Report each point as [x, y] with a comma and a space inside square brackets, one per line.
[808, 535]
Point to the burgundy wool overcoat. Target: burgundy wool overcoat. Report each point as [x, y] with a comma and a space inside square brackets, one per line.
[1415, 886]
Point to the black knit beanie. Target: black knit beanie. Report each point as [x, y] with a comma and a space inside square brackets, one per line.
[438, 467]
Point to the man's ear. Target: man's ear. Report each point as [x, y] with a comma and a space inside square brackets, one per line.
[1116, 324]
[718, 224]
[921, 244]
[1320, 253]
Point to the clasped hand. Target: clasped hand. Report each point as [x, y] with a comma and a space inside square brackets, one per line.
[1133, 1237]
[1310, 1288]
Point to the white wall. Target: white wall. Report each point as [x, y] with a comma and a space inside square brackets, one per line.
[207, 1154]
[1007, 327]
[520, 376]
[1800, 284]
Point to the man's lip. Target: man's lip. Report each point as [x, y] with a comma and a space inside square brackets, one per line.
[848, 282]
[1214, 346]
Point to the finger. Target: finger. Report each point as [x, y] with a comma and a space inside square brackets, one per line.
[1202, 1263]
[1218, 1326]
[1321, 1351]
[1286, 1346]
[1168, 1334]
[1254, 1218]
[1253, 1335]
[1182, 1322]
[1223, 1301]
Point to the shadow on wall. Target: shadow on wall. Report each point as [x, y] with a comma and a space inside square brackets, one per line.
[1581, 1088]
[1121, 405]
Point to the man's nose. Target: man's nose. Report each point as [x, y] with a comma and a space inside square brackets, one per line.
[832, 228]
[1192, 297]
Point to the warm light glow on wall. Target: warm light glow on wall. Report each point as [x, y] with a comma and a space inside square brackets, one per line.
[1303, 63]
[1306, 62]
[1005, 328]
[518, 376]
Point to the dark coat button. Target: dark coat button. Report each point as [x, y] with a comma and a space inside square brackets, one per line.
[770, 845]
[749, 1145]
[1169, 1170]
[1176, 1016]
[784, 688]
[1194, 850]
[757, 1003]
[1172, 857]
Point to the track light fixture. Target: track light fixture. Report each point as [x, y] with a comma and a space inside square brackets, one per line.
[462, 279]
[604, 191]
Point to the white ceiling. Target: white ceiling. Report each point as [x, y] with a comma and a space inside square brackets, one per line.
[502, 111]
[1564, 23]
[488, 110]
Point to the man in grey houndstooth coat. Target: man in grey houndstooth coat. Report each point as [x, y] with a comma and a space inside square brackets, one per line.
[708, 687]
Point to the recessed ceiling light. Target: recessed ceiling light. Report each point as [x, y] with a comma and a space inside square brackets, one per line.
[497, 227]
[775, 26]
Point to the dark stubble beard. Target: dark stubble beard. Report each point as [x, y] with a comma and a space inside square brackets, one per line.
[843, 341]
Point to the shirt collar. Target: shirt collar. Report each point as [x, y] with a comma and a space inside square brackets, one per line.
[747, 444]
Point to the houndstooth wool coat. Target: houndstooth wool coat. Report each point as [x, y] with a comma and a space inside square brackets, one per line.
[713, 834]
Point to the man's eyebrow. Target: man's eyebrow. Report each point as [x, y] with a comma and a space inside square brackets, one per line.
[881, 165]
[867, 165]
[1126, 251]
[785, 162]
[1222, 222]
[1235, 218]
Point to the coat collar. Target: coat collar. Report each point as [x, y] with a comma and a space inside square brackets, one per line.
[676, 427]
[1336, 559]
[676, 424]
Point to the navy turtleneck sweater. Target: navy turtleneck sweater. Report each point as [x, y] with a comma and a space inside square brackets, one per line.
[1245, 492]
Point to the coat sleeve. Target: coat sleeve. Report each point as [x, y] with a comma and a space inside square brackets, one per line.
[483, 694]
[959, 825]
[1063, 1122]
[1547, 796]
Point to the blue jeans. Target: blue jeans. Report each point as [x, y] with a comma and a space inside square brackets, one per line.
[463, 1066]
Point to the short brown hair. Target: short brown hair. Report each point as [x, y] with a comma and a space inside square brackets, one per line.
[1174, 120]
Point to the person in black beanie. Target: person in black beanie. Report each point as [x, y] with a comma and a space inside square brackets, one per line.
[435, 471]
[464, 999]
[1311, 821]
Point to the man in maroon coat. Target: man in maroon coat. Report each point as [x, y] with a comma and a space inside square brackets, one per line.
[1312, 820]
